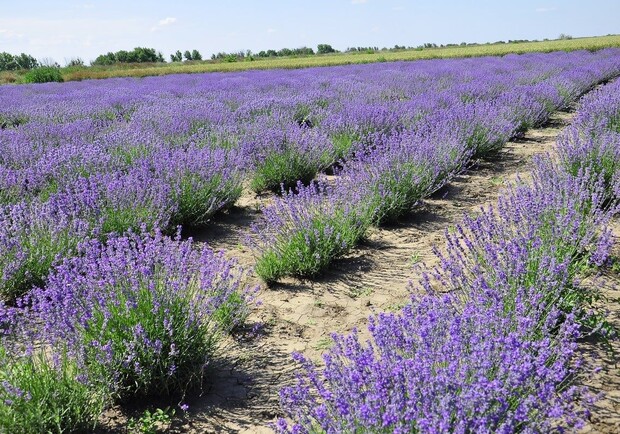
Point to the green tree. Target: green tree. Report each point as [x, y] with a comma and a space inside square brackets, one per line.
[196, 55]
[324, 49]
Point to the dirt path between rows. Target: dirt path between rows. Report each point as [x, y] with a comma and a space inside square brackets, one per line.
[301, 315]
[602, 359]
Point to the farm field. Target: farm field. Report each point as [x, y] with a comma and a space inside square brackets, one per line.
[170, 241]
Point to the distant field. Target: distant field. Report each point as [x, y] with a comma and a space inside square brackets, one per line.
[142, 70]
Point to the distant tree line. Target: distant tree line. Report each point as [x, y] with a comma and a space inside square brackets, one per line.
[9, 62]
[189, 55]
[370, 50]
[137, 55]
[283, 52]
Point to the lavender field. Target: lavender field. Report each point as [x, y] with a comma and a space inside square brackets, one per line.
[120, 290]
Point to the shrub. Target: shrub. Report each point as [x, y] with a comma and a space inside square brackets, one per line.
[32, 237]
[196, 55]
[324, 49]
[592, 142]
[301, 234]
[439, 366]
[284, 158]
[137, 55]
[404, 170]
[202, 182]
[497, 354]
[44, 74]
[557, 221]
[118, 202]
[143, 313]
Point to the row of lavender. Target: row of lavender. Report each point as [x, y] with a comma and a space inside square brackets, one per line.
[305, 230]
[495, 349]
[83, 160]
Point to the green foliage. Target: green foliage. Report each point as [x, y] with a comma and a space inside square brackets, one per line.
[343, 144]
[40, 246]
[149, 422]
[480, 143]
[11, 120]
[396, 191]
[44, 74]
[75, 62]
[121, 219]
[9, 62]
[137, 55]
[283, 52]
[309, 252]
[196, 55]
[284, 168]
[44, 396]
[200, 197]
[188, 55]
[324, 49]
[176, 57]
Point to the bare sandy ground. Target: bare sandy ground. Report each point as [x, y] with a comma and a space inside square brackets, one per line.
[602, 359]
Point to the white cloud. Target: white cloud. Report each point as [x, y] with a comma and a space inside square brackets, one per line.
[163, 23]
[376, 29]
[545, 9]
[271, 30]
[10, 34]
[358, 2]
[167, 20]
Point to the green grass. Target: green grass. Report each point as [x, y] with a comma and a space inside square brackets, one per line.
[143, 70]
[40, 395]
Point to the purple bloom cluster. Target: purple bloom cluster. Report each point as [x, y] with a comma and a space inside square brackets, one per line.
[592, 142]
[141, 312]
[307, 228]
[35, 235]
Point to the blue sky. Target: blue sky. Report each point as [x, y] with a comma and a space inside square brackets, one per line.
[63, 29]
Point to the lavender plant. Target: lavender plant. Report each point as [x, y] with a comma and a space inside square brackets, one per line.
[203, 182]
[288, 157]
[119, 202]
[442, 366]
[301, 233]
[497, 354]
[44, 394]
[33, 236]
[529, 234]
[143, 313]
[403, 170]
[592, 142]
